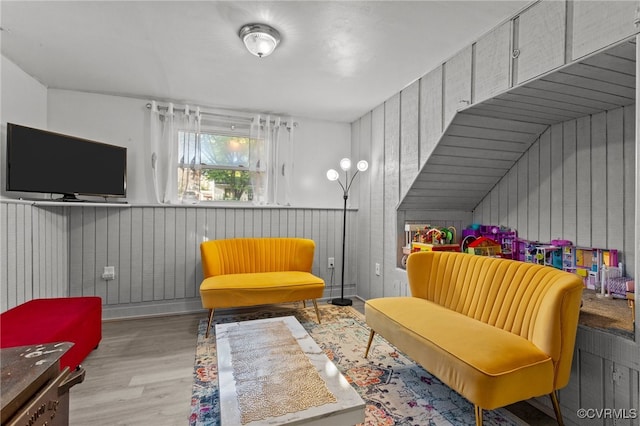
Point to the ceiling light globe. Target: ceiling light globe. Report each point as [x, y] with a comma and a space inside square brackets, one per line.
[259, 39]
[332, 175]
[345, 164]
[260, 45]
[362, 165]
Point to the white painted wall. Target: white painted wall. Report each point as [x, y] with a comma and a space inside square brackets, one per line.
[318, 147]
[117, 120]
[33, 242]
[23, 100]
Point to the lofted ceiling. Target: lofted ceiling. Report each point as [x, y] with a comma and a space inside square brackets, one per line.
[337, 59]
[484, 141]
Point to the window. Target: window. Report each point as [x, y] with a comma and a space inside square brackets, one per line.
[214, 167]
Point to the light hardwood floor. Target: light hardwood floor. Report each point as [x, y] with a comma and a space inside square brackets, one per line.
[141, 374]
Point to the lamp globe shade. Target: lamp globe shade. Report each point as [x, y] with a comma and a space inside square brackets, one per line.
[345, 164]
[362, 165]
[332, 174]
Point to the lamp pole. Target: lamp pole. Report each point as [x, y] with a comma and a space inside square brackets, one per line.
[333, 175]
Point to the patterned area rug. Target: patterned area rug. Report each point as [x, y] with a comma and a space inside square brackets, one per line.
[395, 389]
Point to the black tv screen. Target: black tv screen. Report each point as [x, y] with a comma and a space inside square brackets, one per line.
[48, 162]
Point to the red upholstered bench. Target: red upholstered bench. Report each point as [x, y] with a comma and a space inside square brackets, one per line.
[66, 319]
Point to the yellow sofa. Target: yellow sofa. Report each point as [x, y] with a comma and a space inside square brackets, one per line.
[496, 331]
[257, 271]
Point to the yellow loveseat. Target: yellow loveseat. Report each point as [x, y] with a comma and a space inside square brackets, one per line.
[257, 271]
[496, 331]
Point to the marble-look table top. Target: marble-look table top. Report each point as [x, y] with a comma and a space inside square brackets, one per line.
[348, 410]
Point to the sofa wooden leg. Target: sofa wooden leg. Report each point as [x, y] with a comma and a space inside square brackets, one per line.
[206, 335]
[556, 408]
[478, 411]
[315, 305]
[304, 304]
[366, 353]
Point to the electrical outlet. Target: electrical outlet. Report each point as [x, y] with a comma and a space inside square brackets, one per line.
[378, 269]
[109, 273]
[331, 263]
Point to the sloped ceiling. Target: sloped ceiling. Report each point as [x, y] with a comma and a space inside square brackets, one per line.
[484, 141]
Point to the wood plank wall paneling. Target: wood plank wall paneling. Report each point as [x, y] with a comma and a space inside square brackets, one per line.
[583, 181]
[569, 182]
[631, 176]
[155, 250]
[557, 170]
[523, 187]
[61, 251]
[559, 188]
[392, 256]
[33, 247]
[363, 243]
[579, 185]
[378, 210]
[615, 179]
[4, 258]
[599, 179]
[533, 190]
[604, 374]
[409, 136]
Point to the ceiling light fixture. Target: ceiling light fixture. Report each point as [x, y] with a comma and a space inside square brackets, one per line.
[260, 39]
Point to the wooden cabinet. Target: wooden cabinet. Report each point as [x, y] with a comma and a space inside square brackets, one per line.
[457, 84]
[430, 113]
[492, 62]
[597, 24]
[539, 39]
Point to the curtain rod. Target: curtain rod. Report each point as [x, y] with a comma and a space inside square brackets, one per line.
[228, 117]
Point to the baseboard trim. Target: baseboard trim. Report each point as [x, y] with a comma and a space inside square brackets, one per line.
[160, 309]
[152, 309]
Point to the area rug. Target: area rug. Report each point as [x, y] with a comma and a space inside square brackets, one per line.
[396, 390]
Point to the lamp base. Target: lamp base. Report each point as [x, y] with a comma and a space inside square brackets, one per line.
[342, 302]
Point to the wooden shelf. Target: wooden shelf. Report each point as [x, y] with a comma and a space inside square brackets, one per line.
[45, 203]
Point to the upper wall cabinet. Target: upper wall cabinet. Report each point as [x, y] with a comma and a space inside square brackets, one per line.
[457, 84]
[491, 63]
[539, 39]
[597, 24]
[430, 113]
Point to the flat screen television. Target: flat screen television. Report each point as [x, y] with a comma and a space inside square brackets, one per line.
[48, 162]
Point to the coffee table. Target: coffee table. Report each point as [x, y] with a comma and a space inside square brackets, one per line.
[346, 407]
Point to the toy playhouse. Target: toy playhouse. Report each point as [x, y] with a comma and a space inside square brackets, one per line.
[424, 237]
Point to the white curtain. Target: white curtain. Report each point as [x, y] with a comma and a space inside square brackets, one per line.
[271, 156]
[175, 154]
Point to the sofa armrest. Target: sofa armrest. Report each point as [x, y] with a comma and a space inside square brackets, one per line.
[554, 330]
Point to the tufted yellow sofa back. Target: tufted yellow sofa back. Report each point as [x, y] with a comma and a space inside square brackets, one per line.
[536, 302]
[252, 255]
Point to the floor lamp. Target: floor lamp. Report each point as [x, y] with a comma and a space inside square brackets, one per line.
[333, 175]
